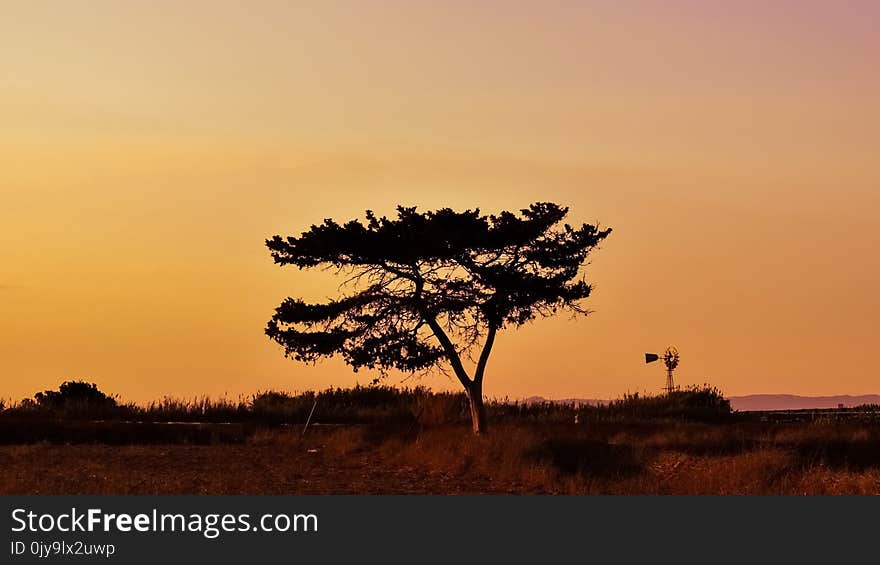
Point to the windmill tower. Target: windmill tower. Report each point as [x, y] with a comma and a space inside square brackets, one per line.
[670, 359]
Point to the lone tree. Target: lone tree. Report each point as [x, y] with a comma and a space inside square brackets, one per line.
[427, 290]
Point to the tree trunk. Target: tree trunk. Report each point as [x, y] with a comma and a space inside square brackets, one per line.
[478, 409]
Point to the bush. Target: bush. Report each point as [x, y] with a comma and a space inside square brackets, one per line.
[73, 399]
[280, 407]
[78, 393]
[361, 405]
[432, 409]
[694, 403]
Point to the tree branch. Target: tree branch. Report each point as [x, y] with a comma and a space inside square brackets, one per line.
[484, 356]
[451, 353]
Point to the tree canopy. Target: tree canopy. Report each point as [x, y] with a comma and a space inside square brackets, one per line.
[79, 393]
[424, 289]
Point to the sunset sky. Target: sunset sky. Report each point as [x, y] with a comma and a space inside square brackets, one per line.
[147, 149]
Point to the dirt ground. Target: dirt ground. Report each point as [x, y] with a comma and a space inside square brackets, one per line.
[668, 459]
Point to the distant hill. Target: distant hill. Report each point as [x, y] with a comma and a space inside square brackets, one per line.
[758, 401]
[795, 402]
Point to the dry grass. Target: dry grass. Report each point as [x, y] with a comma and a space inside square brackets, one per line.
[635, 458]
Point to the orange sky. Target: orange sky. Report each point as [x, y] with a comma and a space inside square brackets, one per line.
[148, 148]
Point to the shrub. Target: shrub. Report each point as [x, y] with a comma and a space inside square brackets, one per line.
[432, 409]
[73, 399]
[280, 407]
[78, 393]
[694, 403]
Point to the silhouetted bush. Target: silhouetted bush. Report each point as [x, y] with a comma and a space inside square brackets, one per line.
[694, 403]
[362, 405]
[73, 393]
[72, 400]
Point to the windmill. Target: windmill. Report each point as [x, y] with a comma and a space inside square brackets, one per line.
[670, 359]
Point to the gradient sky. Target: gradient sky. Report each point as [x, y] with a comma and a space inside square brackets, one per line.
[148, 148]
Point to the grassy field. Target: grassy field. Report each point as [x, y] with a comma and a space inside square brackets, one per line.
[378, 440]
[523, 458]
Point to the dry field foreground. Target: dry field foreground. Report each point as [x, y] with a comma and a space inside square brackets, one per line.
[737, 458]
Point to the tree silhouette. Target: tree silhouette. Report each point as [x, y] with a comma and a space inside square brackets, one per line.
[78, 393]
[427, 290]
